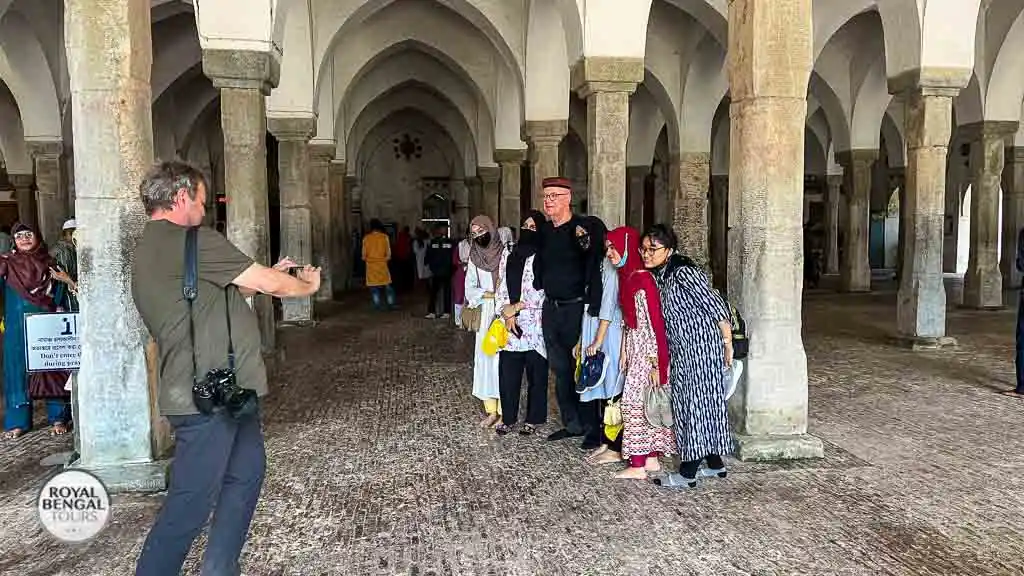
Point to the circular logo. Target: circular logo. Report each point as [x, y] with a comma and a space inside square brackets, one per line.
[74, 506]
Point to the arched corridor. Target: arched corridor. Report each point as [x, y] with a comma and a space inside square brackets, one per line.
[376, 466]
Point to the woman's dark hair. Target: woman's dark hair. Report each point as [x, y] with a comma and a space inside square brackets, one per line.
[663, 235]
[376, 225]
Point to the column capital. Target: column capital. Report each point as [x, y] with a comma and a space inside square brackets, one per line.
[1014, 154]
[606, 74]
[322, 152]
[21, 181]
[931, 81]
[292, 128]
[489, 174]
[510, 156]
[242, 69]
[50, 148]
[850, 157]
[545, 131]
[988, 129]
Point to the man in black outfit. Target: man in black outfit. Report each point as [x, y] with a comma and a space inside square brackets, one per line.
[439, 260]
[564, 280]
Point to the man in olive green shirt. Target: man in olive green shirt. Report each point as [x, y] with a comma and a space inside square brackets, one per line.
[219, 460]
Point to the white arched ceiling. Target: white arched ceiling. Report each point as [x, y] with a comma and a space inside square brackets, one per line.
[425, 100]
[572, 27]
[615, 28]
[818, 124]
[870, 105]
[892, 137]
[1006, 84]
[175, 114]
[713, 15]
[547, 65]
[833, 110]
[828, 20]
[707, 82]
[929, 34]
[221, 27]
[645, 125]
[666, 110]
[175, 51]
[502, 25]
[413, 122]
[12, 136]
[294, 93]
[814, 153]
[445, 35]
[24, 68]
[161, 10]
[401, 67]
[672, 39]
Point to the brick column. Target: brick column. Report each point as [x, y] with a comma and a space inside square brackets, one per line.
[769, 66]
[511, 162]
[607, 83]
[293, 136]
[855, 269]
[544, 137]
[244, 80]
[983, 283]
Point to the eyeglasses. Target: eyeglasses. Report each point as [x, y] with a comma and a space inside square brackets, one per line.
[24, 235]
[551, 197]
[644, 251]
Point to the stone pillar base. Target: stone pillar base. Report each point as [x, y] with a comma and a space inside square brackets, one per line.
[297, 323]
[768, 448]
[139, 477]
[918, 343]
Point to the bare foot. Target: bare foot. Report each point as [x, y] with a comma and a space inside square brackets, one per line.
[490, 421]
[600, 450]
[13, 433]
[1012, 393]
[59, 429]
[652, 465]
[608, 457]
[632, 474]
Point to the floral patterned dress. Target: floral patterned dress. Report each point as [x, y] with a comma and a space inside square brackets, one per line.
[529, 320]
[638, 436]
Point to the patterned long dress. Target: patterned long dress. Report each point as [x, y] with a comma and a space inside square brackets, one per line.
[692, 310]
[638, 436]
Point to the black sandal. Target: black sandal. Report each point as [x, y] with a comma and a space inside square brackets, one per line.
[502, 429]
[528, 430]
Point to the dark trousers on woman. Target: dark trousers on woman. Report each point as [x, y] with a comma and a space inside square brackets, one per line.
[510, 378]
[218, 467]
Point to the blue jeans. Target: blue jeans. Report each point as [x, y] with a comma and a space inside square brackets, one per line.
[218, 467]
[1020, 344]
[389, 294]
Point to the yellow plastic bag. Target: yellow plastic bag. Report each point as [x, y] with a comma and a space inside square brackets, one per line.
[3, 327]
[495, 339]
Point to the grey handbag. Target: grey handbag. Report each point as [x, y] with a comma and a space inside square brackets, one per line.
[658, 406]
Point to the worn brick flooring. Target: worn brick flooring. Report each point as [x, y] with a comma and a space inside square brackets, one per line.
[376, 466]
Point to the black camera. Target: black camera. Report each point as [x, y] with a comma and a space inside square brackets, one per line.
[220, 391]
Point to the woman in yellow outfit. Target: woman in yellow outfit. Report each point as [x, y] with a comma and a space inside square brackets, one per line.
[377, 254]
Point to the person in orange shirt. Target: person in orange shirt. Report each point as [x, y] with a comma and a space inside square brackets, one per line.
[376, 254]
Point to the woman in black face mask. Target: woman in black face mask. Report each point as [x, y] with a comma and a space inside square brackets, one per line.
[483, 279]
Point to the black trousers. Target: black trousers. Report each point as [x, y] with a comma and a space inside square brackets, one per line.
[1020, 345]
[218, 467]
[440, 285]
[563, 324]
[510, 380]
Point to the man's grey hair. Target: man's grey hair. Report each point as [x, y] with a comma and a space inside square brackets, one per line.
[165, 180]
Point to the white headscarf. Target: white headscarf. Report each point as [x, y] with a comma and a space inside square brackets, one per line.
[505, 235]
[464, 248]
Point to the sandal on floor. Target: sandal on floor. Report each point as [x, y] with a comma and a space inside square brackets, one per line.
[58, 429]
[675, 480]
[13, 434]
[502, 429]
[528, 430]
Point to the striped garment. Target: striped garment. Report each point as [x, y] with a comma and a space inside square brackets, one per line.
[692, 311]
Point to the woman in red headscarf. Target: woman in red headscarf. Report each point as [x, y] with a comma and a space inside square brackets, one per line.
[26, 274]
[645, 355]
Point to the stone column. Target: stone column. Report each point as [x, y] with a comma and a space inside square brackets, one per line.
[718, 209]
[109, 53]
[606, 84]
[339, 227]
[636, 176]
[511, 162]
[921, 303]
[244, 79]
[835, 183]
[1013, 216]
[769, 66]
[855, 269]
[691, 180]
[544, 137]
[293, 136]
[51, 197]
[320, 156]
[983, 283]
[351, 242]
[461, 215]
[490, 181]
[898, 182]
[476, 196]
[26, 199]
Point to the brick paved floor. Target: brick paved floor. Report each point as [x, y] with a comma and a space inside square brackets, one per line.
[377, 467]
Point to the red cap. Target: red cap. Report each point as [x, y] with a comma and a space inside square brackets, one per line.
[556, 182]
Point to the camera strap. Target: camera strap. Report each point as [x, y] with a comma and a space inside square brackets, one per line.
[190, 290]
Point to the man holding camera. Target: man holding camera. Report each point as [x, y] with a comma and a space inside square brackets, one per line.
[211, 370]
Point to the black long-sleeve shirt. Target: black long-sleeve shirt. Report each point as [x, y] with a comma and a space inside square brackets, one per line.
[563, 264]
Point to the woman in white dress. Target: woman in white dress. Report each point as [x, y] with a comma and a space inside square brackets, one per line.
[482, 281]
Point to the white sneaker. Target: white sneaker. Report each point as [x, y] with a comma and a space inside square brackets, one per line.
[445, 316]
[431, 316]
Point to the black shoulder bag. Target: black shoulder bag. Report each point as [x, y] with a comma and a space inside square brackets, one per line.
[219, 390]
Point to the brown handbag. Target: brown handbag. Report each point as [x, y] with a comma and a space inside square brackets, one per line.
[48, 385]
